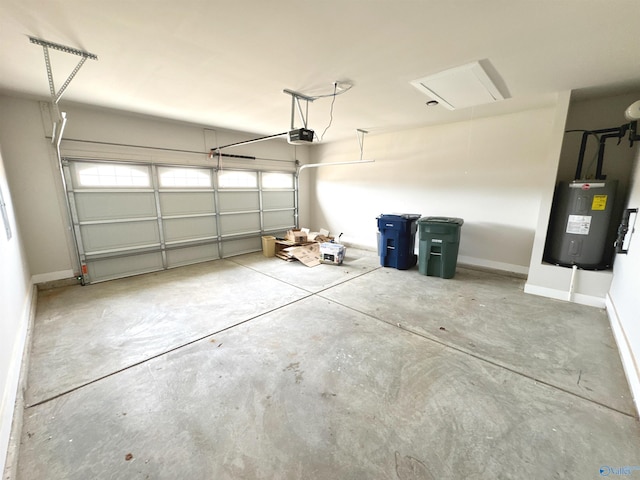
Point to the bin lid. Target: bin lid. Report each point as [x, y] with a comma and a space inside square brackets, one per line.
[398, 216]
[439, 220]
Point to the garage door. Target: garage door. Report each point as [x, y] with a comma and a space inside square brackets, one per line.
[131, 218]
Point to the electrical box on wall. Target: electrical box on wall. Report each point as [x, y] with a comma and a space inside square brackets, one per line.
[625, 230]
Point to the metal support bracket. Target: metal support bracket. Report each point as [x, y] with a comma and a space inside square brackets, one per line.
[295, 105]
[56, 96]
[361, 133]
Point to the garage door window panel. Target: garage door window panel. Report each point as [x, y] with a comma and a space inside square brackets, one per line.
[237, 179]
[179, 177]
[111, 175]
[277, 180]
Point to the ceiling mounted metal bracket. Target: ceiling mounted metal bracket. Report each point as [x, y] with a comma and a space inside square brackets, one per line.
[60, 119]
[55, 96]
[361, 133]
[295, 105]
[46, 45]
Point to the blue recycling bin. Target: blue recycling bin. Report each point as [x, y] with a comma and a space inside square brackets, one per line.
[396, 240]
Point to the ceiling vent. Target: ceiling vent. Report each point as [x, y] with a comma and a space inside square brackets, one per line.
[460, 87]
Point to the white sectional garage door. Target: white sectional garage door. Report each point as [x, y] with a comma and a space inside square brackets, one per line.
[136, 218]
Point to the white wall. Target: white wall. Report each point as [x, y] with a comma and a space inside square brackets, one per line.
[489, 171]
[623, 300]
[33, 172]
[16, 294]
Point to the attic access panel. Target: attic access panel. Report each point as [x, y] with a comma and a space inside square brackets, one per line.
[460, 87]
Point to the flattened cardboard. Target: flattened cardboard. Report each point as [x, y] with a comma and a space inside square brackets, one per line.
[308, 255]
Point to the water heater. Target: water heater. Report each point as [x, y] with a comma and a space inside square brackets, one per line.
[580, 224]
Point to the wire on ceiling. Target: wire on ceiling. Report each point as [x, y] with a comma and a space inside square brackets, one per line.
[344, 88]
[333, 101]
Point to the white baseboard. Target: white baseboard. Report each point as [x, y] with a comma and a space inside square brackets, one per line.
[12, 404]
[631, 367]
[580, 298]
[479, 262]
[51, 276]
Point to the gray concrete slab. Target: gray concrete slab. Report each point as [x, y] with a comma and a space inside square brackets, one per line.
[312, 279]
[84, 333]
[316, 390]
[564, 344]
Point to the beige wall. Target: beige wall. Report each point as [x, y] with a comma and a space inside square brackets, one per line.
[491, 172]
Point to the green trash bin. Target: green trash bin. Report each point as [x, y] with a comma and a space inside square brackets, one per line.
[438, 246]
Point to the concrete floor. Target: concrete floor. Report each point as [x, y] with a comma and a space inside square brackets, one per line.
[255, 368]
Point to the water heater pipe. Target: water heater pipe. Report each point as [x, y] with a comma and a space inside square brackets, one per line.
[572, 283]
[603, 138]
[617, 132]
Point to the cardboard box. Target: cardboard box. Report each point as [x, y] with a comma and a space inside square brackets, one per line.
[269, 246]
[296, 236]
[332, 253]
[281, 246]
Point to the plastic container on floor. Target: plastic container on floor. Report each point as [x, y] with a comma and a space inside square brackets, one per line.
[439, 241]
[396, 240]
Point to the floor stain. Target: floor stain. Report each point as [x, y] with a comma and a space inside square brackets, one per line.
[409, 468]
[295, 368]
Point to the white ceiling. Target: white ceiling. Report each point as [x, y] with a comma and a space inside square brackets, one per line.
[225, 63]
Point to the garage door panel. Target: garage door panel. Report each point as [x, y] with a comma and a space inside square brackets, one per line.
[273, 200]
[239, 201]
[110, 268]
[93, 206]
[239, 223]
[189, 255]
[280, 219]
[100, 237]
[185, 203]
[240, 246]
[184, 229]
